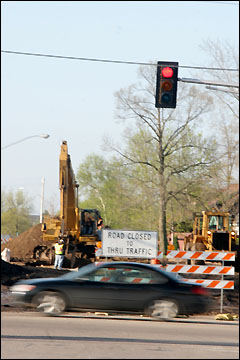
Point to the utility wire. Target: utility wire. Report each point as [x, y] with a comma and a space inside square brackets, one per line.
[219, 2]
[109, 61]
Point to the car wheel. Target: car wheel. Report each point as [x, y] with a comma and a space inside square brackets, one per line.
[49, 303]
[164, 309]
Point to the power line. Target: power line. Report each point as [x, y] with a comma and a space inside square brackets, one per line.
[107, 61]
[221, 2]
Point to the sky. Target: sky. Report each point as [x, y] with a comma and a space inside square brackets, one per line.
[73, 100]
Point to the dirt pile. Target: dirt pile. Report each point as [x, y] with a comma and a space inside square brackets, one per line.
[28, 248]
[10, 273]
[21, 248]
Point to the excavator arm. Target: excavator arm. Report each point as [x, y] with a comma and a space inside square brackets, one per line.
[69, 213]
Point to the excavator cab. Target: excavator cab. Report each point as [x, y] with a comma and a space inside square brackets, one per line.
[216, 222]
[211, 231]
[88, 221]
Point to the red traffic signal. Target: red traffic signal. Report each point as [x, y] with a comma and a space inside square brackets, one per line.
[166, 89]
[167, 72]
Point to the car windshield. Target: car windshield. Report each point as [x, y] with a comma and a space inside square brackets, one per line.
[80, 273]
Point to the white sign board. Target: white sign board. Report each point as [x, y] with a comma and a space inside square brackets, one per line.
[127, 243]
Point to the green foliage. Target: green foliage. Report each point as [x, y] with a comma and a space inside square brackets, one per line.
[175, 243]
[237, 240]
[121, 194]
[184, 226]
[15, 215]
[128, 196]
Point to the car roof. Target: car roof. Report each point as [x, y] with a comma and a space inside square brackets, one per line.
[129, 263]
[133, 263]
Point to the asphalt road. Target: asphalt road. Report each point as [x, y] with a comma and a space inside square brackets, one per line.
[28, 335]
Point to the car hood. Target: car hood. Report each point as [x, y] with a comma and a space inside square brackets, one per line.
[36, 281]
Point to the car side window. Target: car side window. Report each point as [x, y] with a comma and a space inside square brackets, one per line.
[140, 276]
[102, 274]
[125, 275]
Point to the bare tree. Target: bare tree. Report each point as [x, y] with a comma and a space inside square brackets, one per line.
[226, 120]
[225, 56]
[180, 156]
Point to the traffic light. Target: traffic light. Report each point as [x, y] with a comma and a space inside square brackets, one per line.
[209, 235]
[233, 238]
[166, 88]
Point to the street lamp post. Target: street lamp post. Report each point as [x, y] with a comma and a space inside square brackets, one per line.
[44, 136]
[41, 204]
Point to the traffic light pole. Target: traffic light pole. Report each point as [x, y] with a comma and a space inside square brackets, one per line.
[207, 82]
[222, 90]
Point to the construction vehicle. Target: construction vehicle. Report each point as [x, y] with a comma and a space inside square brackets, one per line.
[212, 231]
[78, 227]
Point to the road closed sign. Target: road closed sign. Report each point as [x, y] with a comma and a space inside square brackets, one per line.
[126, 243]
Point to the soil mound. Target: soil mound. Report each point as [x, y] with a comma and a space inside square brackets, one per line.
[21, 248]
[10, 272]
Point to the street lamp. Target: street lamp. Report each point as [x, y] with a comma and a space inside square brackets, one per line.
[44, 136]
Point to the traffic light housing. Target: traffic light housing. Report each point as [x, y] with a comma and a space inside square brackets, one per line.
[166, 88]
[233, 236]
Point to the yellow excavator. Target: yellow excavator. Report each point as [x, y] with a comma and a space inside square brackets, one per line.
[78, 227]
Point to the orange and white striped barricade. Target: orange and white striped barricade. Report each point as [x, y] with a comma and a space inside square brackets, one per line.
[203, 269]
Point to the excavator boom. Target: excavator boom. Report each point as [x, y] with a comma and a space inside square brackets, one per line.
[69, 213]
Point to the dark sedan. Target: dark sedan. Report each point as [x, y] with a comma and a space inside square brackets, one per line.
[127, 287]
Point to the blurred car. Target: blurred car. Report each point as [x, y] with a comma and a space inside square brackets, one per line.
[127, 287]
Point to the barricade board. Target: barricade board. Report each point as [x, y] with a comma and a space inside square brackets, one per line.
[198, 255]
[199, 269]
[213, 284]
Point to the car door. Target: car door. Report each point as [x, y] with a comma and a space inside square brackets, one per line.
[137, 287]
[95, 290]
[118, 287]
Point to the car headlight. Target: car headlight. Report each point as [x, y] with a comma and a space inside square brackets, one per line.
[22, 288]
